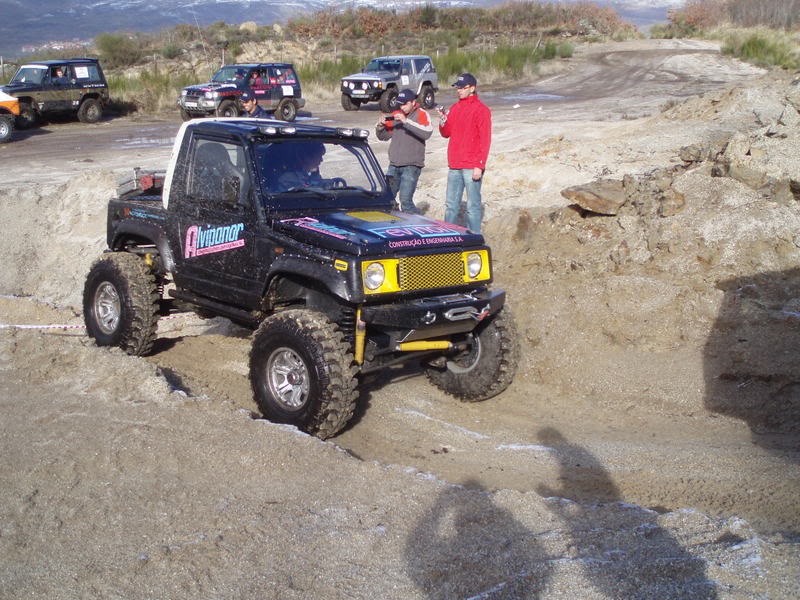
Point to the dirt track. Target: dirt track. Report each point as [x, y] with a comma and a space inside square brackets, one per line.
[600, 413]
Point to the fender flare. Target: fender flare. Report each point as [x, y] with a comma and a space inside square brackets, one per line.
[146, 232]
[311, 270]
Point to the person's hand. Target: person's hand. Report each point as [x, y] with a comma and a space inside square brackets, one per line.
[400, 116]
[477, 173]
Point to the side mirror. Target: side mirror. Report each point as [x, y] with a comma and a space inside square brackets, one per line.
[231, 187]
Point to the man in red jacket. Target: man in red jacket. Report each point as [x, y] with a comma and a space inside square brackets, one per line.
[468, 125]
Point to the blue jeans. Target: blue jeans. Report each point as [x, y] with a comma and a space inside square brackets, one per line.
[457, 180]
[403, 182]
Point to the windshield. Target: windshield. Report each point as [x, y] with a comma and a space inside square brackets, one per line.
[377, 64]
[314, 174]
[29, 74]
[229, 74]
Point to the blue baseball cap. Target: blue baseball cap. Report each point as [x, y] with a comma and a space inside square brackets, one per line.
[246, 96]
[405, 96]
[464, 80]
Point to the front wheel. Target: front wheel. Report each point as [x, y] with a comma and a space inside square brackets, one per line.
[427, 98]
[487, 367]
[186, 115]
[90, 111]
[228, 108]
[301, 372]
[6, 129]
[120, 303]
[348, 103]
[387, 99]
[287, 110]
[28, 117]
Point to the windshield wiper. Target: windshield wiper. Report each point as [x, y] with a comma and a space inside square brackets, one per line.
[357, 188]
[315, 191]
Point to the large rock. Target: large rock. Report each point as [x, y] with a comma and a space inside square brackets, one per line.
[602, 196]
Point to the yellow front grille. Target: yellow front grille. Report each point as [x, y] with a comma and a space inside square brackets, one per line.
[431, 271]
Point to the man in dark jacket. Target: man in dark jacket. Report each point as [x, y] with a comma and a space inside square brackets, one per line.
[407, 128]
[468, 124]
[251, 108]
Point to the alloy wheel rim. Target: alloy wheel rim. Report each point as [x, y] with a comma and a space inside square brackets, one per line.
[107, 307]
[288, 378]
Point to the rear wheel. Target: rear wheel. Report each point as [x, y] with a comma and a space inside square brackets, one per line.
[90, 111]
[228, 108]
[301, 372]
[426, 97]
[487, 367]
[6, 128]
[120, 303]
[28, 117]
[386, 101]
[287, 110]
[349, 104]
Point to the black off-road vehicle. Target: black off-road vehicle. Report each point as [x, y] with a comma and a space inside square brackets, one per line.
[290, 229]
[275, 85]
[50, 87]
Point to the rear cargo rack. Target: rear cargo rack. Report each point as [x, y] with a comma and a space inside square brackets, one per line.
[139, 182]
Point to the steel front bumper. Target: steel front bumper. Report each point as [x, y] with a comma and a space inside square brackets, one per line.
[438, 316]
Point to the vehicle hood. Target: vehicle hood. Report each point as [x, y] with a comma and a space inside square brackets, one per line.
[369, 232]
[4, 97]
[210, 87]
[16, 88]
[374, 76]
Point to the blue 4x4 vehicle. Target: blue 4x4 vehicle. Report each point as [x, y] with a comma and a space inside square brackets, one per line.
[276, 85]
[290, 230]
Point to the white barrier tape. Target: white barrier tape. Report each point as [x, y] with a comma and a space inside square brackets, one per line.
[9, 326]
[5, 326]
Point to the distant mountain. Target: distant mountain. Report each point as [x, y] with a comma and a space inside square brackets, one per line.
[35, 22]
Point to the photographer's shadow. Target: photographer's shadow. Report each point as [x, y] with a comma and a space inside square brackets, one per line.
[466, 547]
[623, 551]
[751, 363]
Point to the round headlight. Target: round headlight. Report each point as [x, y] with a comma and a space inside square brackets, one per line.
[374, 276]
[184, 92]
[474, 264]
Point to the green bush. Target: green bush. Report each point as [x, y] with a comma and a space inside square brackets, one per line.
[764, 48]
[171, 51]
[118, 50]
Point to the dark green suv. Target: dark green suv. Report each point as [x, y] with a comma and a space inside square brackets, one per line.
[73, 85]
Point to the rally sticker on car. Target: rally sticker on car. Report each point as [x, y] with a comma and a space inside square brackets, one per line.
[423, 231]
[318, 226]
[207, 240]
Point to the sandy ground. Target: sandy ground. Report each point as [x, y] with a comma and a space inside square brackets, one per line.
[648, 447]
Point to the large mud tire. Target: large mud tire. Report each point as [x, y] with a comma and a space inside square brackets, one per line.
[228, 108]
[186, 115]
[6, 128]
[287, 110]
[90, 111]
[28, 117]
[302, 373]
[349, 104]
[427, 97]
[387, 99]
[120, 303]
[487, 368]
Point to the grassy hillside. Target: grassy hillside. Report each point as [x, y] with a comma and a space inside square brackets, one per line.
[766, 33]
[147, 71]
